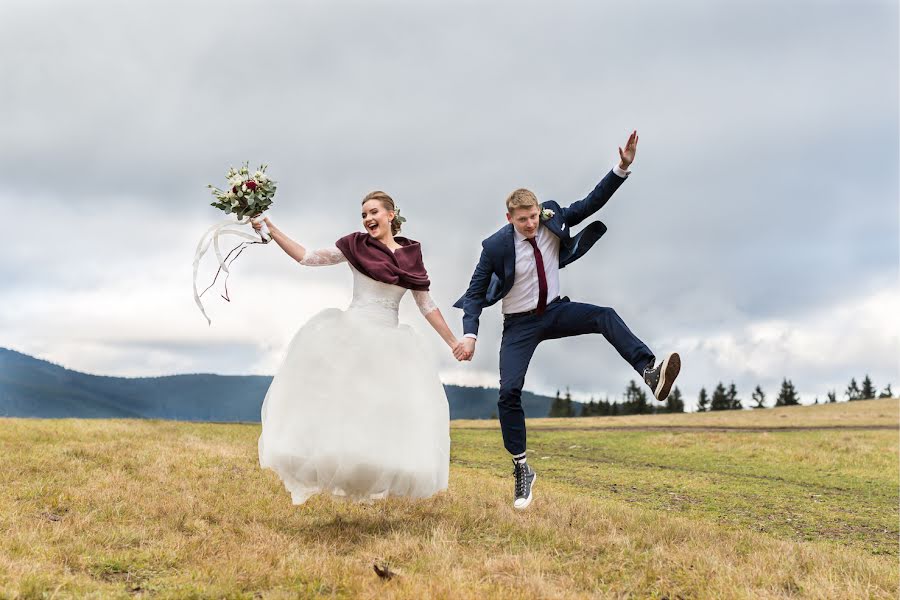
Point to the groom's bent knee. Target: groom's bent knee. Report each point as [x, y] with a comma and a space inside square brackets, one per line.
[604, 311]
[603, 316]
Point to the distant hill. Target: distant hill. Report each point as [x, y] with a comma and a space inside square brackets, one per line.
[30, 387]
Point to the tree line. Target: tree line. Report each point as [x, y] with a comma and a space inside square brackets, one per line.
[636, 401]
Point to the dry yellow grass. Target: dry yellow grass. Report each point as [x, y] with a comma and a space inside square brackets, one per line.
[176, 510]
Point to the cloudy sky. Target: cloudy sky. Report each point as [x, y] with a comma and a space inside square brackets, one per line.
[758, 234]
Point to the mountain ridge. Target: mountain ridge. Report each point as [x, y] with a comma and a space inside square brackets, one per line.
[33, 387]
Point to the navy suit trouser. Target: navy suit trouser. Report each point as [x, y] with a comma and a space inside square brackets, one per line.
[562, 318]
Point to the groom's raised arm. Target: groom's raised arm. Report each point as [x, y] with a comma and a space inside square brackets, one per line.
[577, 212]
[600, 195]
[473, 301]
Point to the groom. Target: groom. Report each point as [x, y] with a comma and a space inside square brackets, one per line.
[520, 265]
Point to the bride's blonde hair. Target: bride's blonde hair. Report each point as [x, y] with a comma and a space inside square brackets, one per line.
[388, 203]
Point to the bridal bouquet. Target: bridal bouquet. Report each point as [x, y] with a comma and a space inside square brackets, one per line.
[247, 197]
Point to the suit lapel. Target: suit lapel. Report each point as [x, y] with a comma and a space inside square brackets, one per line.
[556, 227]
[509, 254]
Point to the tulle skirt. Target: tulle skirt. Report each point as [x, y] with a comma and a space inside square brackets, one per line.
[356, 410]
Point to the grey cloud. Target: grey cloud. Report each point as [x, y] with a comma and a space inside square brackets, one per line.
[765, 185]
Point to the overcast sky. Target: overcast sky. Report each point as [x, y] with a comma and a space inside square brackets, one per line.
[757, 235]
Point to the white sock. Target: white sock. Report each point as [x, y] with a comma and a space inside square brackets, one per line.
[520, 458]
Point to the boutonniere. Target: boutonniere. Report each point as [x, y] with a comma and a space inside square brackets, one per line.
[547, 214]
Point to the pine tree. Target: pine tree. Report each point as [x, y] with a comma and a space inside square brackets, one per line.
[868, 389]
[675, 403]
[734, 403]
[588, 409]
[569, 406]
[562, 406]
[852, 392]
[788, 395]
[635, 402]
[719, 399]
[605, 407]
[557, 408]
[702, 401]
[759, 397]
[644, 407]
[832, 397]
[886, 392]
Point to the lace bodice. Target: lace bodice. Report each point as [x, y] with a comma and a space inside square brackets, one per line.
[368, 293]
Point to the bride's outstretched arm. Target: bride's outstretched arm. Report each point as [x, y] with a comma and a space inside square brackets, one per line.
[434, 317]
[292, 248]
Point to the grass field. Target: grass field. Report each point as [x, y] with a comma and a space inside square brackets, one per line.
[781, 503]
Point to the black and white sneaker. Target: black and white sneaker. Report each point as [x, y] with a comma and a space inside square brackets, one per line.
[661, 377]
[525, 477]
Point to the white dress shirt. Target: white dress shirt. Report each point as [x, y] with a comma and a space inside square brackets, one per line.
[523, 296]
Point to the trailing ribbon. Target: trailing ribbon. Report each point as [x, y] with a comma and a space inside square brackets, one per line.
[212, 237]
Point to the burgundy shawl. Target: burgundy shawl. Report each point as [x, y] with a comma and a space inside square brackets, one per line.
[403, 267]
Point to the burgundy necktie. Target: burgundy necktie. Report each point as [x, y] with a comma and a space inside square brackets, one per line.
[542, 276]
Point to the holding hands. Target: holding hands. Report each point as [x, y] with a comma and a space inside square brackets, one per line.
[464, 349]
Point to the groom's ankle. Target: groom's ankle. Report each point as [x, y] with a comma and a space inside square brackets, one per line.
[519, 458]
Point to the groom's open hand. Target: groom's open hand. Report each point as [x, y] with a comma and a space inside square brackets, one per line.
[626, 156]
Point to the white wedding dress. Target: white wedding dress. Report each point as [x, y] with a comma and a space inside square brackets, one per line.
[357, 409]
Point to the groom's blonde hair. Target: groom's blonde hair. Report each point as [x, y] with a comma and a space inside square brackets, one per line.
[521, 198]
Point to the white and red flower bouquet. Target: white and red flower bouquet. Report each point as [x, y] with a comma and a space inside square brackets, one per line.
[247, 197]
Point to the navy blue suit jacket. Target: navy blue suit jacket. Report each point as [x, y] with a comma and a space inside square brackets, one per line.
[495, 273]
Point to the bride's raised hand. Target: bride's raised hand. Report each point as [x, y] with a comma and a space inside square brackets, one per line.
[263, 227]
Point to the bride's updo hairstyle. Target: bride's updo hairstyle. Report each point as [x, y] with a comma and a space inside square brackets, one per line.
[388, 203]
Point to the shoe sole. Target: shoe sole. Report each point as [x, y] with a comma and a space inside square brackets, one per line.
[530, 496]
[670, 369]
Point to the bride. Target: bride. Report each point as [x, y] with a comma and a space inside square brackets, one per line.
[356, 408]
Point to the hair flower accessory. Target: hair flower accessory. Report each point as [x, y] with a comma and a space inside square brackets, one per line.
[400, 220]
